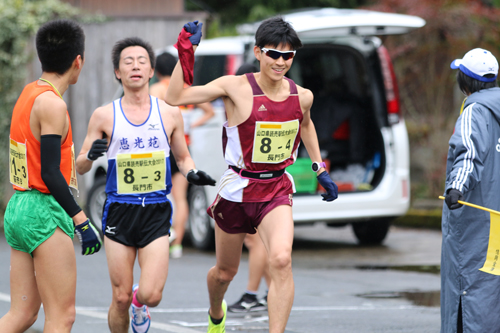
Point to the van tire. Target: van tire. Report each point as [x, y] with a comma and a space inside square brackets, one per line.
[200, 231]
[95, 202]
[371, 232]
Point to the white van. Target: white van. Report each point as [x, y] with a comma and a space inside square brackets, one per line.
[356, 111]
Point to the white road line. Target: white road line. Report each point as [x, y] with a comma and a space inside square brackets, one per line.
[184, 327]
[85, 309]
[160, 326]
[229, 322]
[356, 308]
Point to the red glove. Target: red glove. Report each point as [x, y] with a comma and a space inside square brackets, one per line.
[186, 55]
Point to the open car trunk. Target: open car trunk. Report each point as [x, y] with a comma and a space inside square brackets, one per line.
[347, 112]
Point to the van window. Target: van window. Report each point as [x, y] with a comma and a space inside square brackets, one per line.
[329, 71]
[342, 111]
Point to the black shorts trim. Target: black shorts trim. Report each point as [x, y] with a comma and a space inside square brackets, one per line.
[136, 225]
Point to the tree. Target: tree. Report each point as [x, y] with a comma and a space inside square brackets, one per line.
[19, 20]
[429, 97]
[226, 13]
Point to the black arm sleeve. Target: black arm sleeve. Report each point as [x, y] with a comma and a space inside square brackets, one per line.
[50, 155]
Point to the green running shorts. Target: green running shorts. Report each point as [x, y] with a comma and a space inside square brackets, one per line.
[31, 217]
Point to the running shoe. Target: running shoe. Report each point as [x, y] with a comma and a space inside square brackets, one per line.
[173, 235]
[176, 251]
[262, 306]
[247, 303]
[220, 328]
[140, 320]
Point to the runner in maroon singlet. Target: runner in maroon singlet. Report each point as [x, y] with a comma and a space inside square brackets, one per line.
[267, 116]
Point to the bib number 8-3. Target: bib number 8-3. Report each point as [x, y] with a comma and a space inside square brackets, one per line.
[140, 173]
[129, 176]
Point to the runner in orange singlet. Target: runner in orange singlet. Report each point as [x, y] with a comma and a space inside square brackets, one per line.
[42, 216]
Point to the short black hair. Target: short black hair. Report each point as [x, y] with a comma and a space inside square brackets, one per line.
[275, 31]
[469, 85]
[165, 64]
[58, 43]
[128, 42]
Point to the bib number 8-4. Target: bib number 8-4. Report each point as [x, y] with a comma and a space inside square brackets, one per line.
[273, 141]
[265, 148]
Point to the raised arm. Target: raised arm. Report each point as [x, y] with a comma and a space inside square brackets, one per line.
[177, 94]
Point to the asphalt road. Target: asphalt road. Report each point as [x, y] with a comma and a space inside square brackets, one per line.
[339, 287]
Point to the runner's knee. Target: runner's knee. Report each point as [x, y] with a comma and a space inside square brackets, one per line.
[70, 317]
[63, 320]
[150, 298]
[122, 299]
[281, 261]
[226, 275]
[30, 318]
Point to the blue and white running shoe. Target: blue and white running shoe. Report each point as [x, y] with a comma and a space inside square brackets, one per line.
[140, 319]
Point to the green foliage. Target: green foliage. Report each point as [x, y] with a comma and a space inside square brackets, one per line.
[19, 20]
[215, 29]
[429, 96]
[260, 12]
[227, 13]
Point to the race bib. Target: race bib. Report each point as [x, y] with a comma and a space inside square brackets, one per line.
[273, 141]
[73, 181]
[140, 173]
[18, 170]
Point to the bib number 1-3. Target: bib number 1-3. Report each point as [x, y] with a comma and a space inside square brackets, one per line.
[140, 173]
[273, 141]
[18, 170]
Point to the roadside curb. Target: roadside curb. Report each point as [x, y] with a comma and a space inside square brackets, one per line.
[420, 218]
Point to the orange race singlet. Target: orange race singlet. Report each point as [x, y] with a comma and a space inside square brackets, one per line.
[24, 161]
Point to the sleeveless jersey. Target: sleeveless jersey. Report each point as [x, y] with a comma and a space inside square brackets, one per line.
[267, 141]
[24, 161]
[138, 159]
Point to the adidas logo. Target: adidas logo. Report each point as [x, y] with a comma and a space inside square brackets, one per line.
[262, 108]
[220, 215]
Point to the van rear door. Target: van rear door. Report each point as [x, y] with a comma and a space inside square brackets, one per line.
[331, 22]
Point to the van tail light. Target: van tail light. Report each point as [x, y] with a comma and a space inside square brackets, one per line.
[391, 86]
[405, 189]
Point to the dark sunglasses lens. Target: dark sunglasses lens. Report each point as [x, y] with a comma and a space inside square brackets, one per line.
[275, 54]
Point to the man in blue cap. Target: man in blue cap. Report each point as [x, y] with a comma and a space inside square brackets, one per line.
[469, 297]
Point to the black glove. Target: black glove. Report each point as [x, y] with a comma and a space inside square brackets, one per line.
[98, 148]
[452, 198]
[198, 177]
[195, 29]
[332, 191]
[89, 238]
